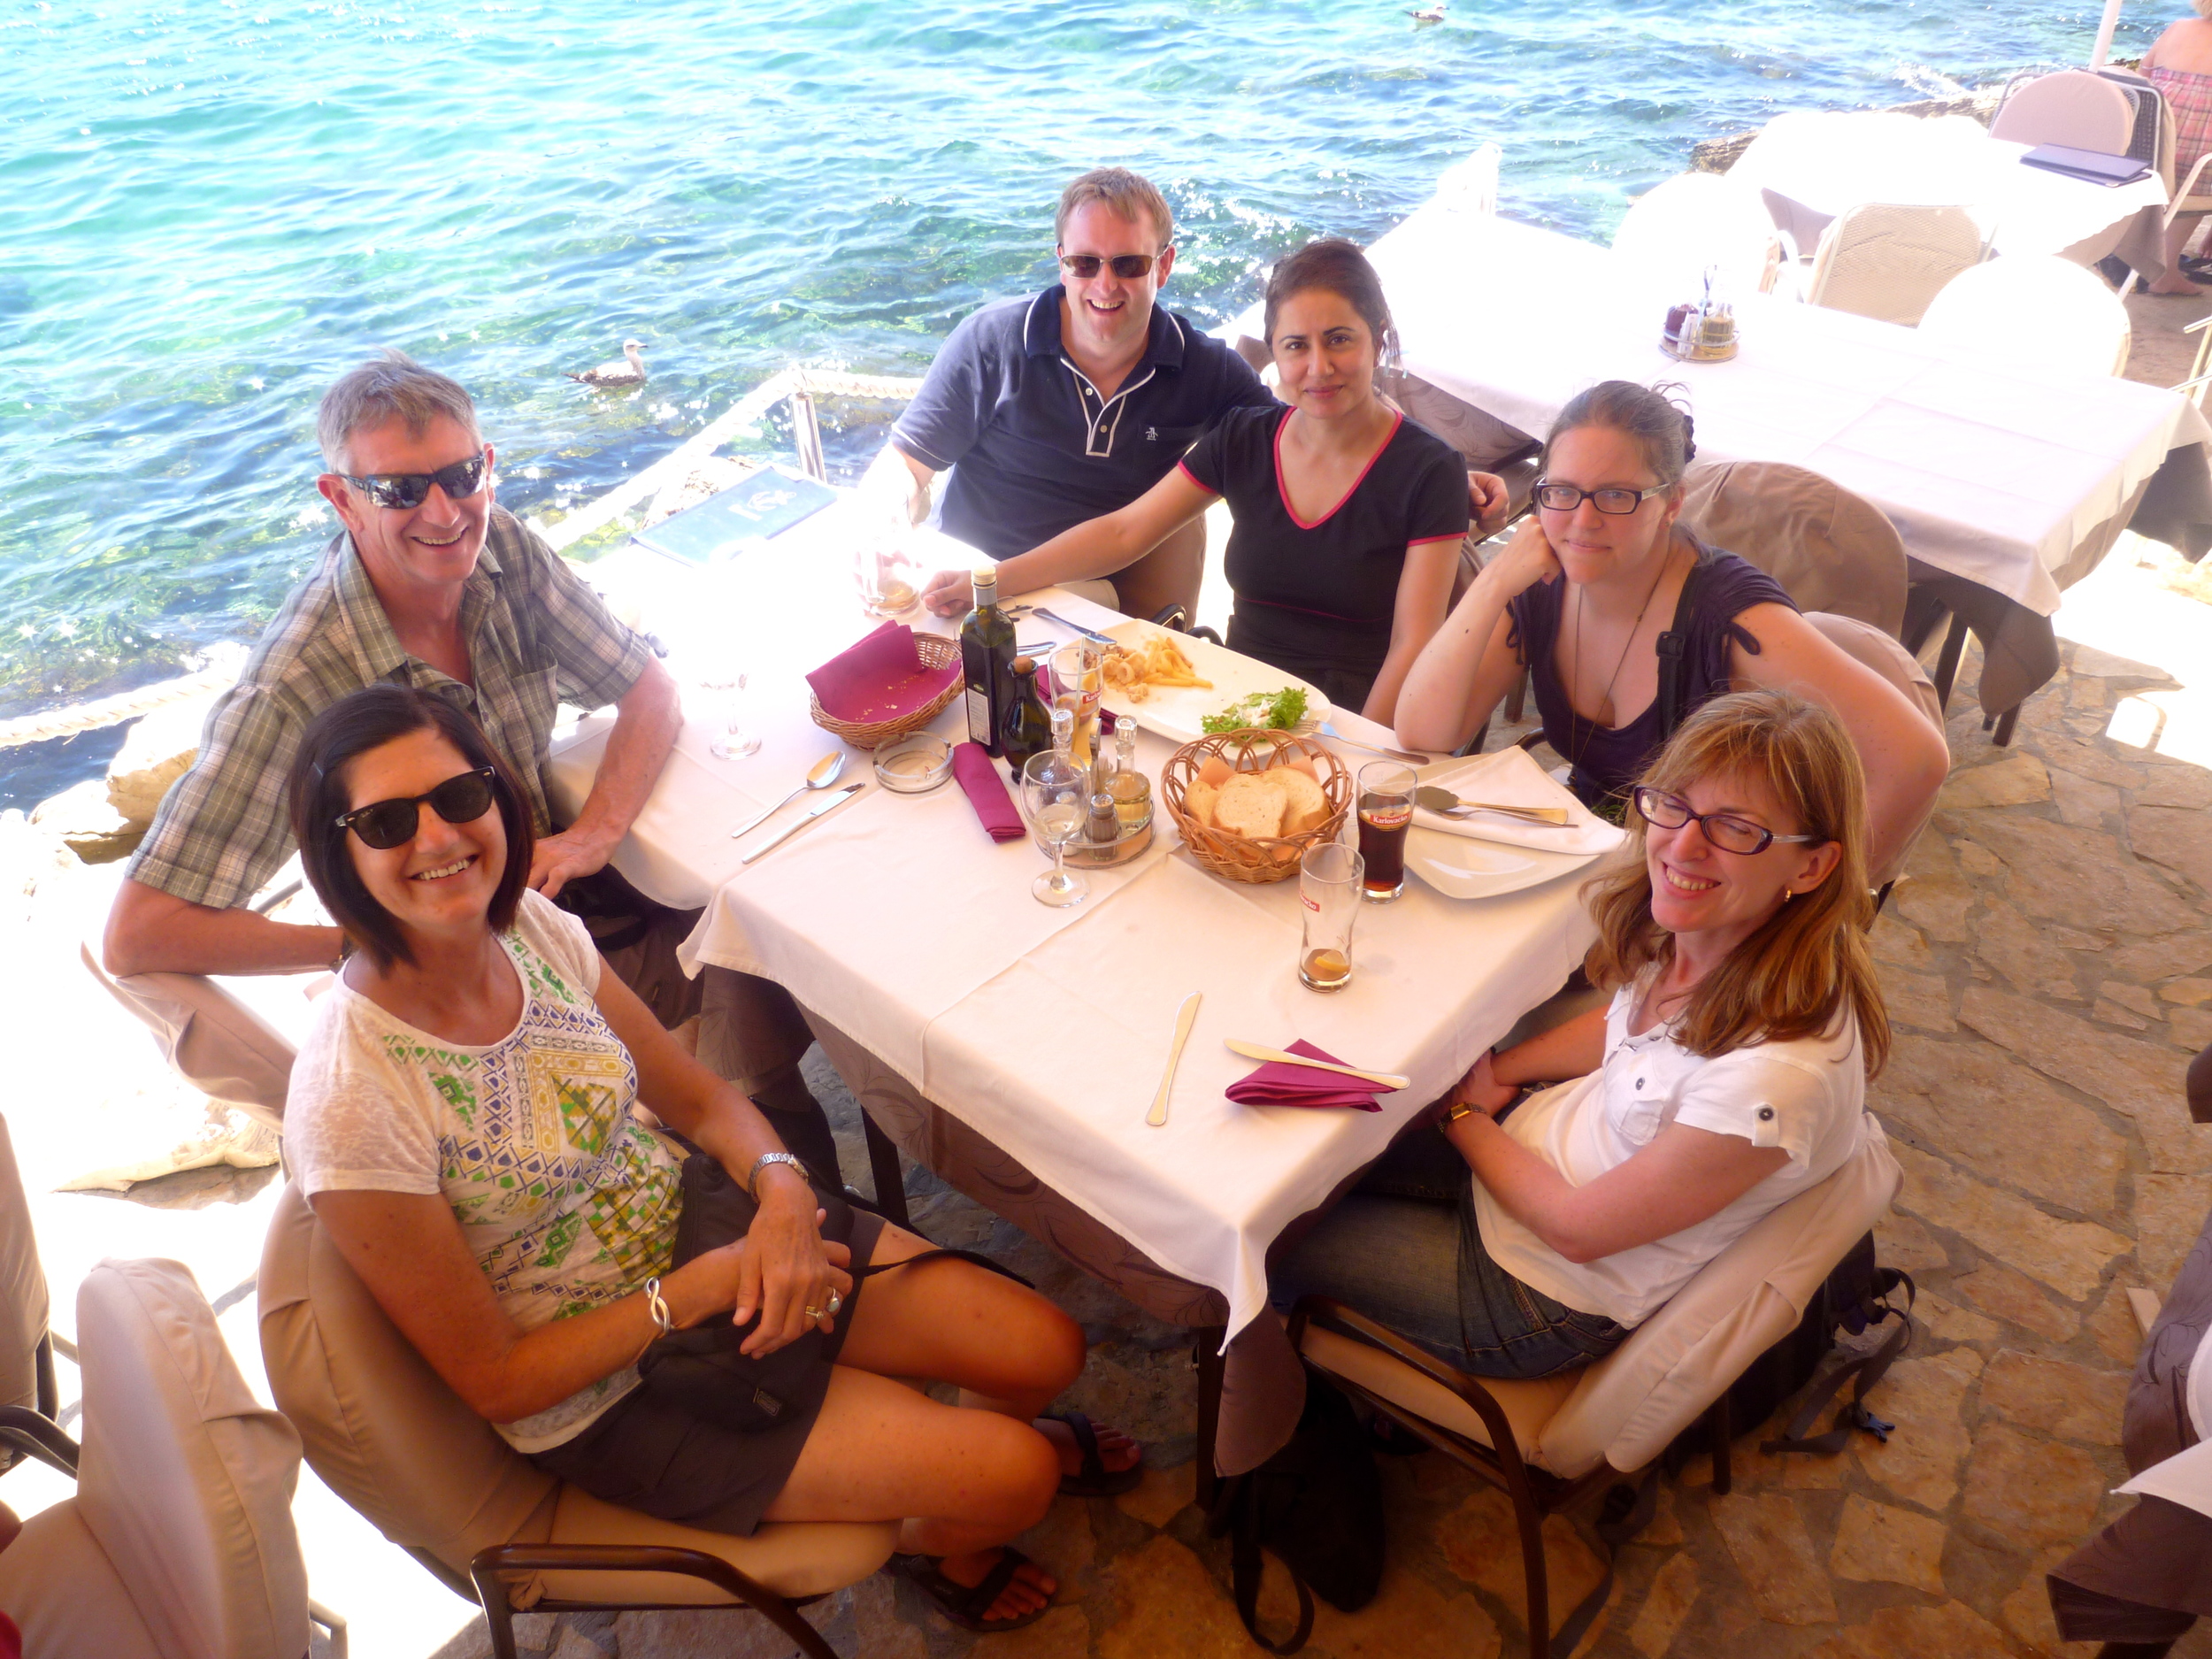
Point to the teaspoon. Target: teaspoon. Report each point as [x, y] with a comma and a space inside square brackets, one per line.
[823, 774]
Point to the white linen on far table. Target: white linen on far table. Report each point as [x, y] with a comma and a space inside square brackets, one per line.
[1991, 472]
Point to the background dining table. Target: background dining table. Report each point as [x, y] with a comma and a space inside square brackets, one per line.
[1015, 1049]
[2007, 481]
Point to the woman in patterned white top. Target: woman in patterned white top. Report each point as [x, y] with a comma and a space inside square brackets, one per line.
[462, 1118]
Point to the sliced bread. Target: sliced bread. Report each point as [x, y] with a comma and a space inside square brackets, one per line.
[1308, 807]
[1252, 806]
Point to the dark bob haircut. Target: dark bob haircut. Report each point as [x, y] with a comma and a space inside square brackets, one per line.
[368, 720]
[1338, 267]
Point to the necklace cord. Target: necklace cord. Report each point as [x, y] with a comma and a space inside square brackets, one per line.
[1606, 696]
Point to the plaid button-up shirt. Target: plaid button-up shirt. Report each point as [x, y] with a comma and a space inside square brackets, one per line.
[536, 635]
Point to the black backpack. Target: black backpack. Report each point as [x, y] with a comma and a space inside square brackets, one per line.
[1852, 1298]
[1317, 1504]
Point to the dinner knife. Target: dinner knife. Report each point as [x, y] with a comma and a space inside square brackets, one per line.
[1091, 634]
[1381, 1079]
[805, 818]
[1184, 1021]
[1407, 755]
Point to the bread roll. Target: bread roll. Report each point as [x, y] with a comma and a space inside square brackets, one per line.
[1251, 806]
[1307, 807]
[1198, 801]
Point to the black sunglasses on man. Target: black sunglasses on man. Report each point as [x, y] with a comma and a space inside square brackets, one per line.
[402, 490]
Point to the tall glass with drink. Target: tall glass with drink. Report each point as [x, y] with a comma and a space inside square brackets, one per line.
[1328, 902]
[1386, 813]
[1078, 680]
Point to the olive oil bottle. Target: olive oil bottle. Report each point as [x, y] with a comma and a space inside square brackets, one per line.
[986, 661]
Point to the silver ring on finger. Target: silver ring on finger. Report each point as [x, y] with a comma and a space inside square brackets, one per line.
[813, 1313]
[836, 1301]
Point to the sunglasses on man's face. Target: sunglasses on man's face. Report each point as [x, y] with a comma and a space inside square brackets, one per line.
[385, 825]
[401, 490]
[1127, 266]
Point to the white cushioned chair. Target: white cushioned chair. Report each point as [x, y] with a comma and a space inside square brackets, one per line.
[1887, 259]
[1549, 1443]
[179, 1543]
[26, 1347]
[389, 1437]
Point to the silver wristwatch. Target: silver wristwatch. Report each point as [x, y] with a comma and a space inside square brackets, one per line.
[752, 1176]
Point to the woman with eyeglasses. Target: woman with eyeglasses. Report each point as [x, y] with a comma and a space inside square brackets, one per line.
[1626, 622]
[1727, 1075]
[463, 1119]
[1348, 516]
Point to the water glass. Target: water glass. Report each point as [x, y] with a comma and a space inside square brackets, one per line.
[724, 714]
[884, 570]
[1057, 795]
[1386, 815]
[1079, 679]
[1329, 878]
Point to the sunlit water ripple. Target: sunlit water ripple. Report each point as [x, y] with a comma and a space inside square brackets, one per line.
[207, 211]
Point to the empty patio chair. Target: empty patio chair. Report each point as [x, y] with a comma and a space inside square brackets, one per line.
[2073, 107]
[2034, 309]
[1548, 1444]
[26, 1347]
[389, 1437]
[1694, 220]
[179, 1543]
[1888, 260]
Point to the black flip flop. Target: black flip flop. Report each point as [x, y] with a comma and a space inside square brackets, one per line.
[1094, 1479]
[963, 1606]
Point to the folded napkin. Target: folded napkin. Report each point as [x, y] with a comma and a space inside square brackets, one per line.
[1278, 1083]
[993, 805]
[879, 678]
[1512, 778]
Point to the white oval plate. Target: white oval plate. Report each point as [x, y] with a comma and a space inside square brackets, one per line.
[1460, 868]
[1178, 713]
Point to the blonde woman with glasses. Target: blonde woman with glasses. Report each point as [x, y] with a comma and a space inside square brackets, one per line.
[1727, 1075]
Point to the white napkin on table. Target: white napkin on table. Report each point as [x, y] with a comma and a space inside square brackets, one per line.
[1512, 778]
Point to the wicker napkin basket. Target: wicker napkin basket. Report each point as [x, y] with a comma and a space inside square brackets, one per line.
[1242, 858]
[935, 652]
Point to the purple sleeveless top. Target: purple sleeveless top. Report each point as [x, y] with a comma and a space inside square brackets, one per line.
[1607, 759]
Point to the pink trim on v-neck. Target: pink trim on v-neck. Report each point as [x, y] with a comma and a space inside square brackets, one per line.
[1283, 492]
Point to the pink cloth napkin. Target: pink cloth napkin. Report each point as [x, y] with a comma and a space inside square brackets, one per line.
[879, 678]
[1278, 1083]
[993, 805]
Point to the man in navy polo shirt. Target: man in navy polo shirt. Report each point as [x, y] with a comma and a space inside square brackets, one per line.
[1054, 409]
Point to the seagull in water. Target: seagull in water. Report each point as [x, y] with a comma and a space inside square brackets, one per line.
[631, 373]
[1429, 14]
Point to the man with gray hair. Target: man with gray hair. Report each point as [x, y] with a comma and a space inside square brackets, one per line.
[430, 584]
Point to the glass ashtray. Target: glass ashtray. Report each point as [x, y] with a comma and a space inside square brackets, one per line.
[914, 764]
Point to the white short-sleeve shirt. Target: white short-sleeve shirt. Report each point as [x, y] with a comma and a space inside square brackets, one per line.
[1807, 1095]
[565, 1200]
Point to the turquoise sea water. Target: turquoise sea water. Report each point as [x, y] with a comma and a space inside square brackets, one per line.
[210, 207]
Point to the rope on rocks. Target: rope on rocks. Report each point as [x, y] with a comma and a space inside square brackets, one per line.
[222, 670]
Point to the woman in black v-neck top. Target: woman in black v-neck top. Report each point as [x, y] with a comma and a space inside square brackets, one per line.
[1319, 599]
[1348, 516]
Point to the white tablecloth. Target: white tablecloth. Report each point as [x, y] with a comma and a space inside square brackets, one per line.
[1993, 474]
[898, 920]
[1829, 160]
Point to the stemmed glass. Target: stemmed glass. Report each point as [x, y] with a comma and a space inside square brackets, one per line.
[1053, 792]
[724, 688]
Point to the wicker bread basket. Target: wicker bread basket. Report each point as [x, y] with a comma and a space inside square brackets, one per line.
[1242, 858]
[935, 652]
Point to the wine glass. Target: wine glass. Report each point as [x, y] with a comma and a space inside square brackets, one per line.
[724, 688]
[1053, 791]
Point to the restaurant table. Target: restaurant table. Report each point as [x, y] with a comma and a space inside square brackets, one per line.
[1811, 165]
[2004, 476]
[1015, 1049]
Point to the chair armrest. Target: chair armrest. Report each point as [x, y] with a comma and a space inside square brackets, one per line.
[1352, 1323]
[38, 1437]
[492, 1568]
